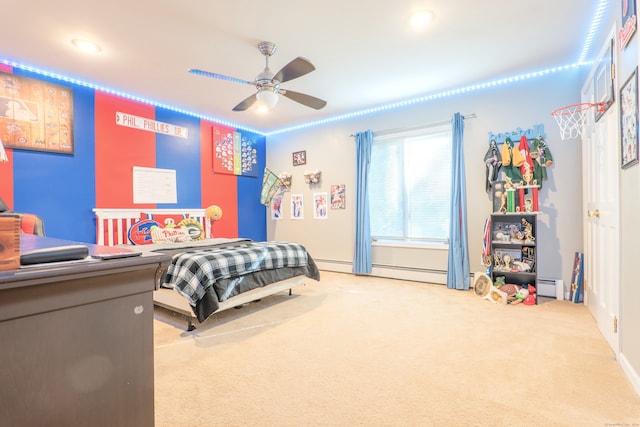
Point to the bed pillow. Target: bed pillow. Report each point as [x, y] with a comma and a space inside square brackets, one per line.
[193, 227]
[140, 232]
[164, 220]
[169, 234]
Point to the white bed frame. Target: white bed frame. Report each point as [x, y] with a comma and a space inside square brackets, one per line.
[112, 224]
[111, 230]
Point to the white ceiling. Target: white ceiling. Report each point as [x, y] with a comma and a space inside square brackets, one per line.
[363, 50]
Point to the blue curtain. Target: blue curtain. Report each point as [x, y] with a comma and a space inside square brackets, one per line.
[458, 267]
[362, 255]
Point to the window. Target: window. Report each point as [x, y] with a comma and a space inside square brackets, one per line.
[410, 185]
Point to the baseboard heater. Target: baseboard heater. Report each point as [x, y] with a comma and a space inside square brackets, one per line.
[388, 271]
[553, 288]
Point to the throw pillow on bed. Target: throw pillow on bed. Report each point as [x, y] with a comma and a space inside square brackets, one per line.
[140, 232]
[194, 228]
[164, 228]
[164, 220]
[169, 234]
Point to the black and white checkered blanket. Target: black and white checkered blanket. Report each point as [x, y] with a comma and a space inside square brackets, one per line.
[192, 273]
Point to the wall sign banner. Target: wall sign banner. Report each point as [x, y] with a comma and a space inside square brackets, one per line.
[234, 153]
[142, 123]
[35, 115]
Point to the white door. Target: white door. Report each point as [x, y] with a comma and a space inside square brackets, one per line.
[600, 166]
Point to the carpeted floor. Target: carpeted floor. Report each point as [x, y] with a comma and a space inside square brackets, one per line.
[359, 351]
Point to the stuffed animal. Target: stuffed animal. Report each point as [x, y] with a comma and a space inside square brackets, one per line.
[530, 299]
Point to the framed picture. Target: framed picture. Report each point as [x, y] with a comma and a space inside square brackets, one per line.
[337, 196]
[276, 207]
[297, 206]
[603, 81]
[320, 205]
[299, 158]
[629, 120]
[35, 115]
[629, 22]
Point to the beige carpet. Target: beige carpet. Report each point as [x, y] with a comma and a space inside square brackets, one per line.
[359, 351]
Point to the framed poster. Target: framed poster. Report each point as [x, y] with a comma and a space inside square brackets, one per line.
[629, 120]
[603, 82]
[337, 196]
[234, 153]
[629, 22]
[299, 158]
[319, 205]
[276, 207]
[297, 206]
[35, 115]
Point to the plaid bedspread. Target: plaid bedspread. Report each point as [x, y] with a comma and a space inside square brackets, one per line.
[192, 273]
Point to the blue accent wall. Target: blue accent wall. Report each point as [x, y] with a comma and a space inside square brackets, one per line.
[182, 155]
[61, 187]
[252, 219]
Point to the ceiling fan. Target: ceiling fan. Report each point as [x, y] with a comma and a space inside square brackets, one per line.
[268, 84]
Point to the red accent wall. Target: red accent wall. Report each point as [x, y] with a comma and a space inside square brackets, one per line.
[118, 149]
[6, 169]
[218, 189]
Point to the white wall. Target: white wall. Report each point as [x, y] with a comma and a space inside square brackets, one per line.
[331, 148]
[627, 61]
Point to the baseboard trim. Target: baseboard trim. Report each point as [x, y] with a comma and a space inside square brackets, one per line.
[386, 271]
[631, 374]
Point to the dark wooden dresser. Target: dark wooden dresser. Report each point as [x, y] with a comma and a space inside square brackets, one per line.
[76, 340]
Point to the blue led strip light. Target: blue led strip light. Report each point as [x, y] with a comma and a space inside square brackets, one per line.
[122, 94]
[595, 27]
[428, 98]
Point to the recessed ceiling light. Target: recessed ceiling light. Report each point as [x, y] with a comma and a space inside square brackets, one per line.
[421, 19]
[85, 45]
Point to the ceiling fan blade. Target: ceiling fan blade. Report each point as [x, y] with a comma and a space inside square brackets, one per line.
[246, 103]
[294, 69]
[308, 100]
[219, 76]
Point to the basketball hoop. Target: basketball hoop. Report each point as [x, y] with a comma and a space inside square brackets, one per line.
[571, 118]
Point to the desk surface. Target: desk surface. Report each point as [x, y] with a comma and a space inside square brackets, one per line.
[53, 271]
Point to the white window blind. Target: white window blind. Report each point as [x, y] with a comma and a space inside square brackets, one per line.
[410, 184]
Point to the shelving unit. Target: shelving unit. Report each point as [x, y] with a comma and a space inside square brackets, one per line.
[514, 248]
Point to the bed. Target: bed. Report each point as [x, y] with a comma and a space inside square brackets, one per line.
[212, 274]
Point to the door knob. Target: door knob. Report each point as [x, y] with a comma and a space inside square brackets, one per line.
[592, 214]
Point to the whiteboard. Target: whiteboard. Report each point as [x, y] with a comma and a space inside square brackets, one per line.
[152, 185]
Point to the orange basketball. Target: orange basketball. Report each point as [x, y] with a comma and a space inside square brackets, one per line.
[213, 213]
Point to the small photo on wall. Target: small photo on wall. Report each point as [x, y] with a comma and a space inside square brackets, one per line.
[276, 207]
[299, 158]
[337, 196]
[320, 205]
[297, 206]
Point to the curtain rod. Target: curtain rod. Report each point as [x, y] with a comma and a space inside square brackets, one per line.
[444, 122]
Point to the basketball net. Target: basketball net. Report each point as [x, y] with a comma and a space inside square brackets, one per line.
[571, 118]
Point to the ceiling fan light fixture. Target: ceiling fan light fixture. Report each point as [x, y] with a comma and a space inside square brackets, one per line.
[267, 99]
